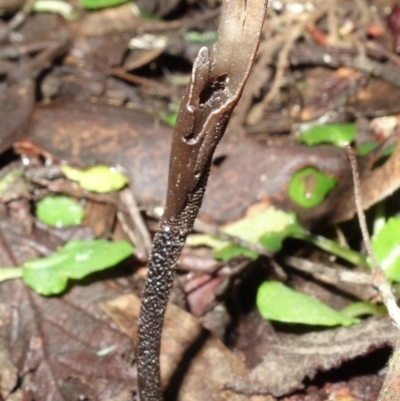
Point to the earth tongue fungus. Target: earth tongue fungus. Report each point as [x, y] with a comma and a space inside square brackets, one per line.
[215, 87]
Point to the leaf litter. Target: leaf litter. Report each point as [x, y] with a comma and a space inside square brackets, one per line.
[65, 347]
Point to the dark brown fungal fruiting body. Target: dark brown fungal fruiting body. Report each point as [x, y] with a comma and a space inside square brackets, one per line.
[215, 87]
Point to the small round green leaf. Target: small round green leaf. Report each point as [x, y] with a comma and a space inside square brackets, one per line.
[386, 247]
[309, 186]
[59, 211]
[335, 134]
[277, 302]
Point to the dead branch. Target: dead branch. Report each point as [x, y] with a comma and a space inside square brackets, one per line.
[378, 275]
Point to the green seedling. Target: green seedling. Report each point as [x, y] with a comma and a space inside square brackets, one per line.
[77, 259]
[270, 228]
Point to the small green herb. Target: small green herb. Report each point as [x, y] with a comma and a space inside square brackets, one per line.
[335, 134]
[269, 229]
[251, 229]
[98, 178]
[277, 302]
[309, 186]
[77, 259]
[59, 211]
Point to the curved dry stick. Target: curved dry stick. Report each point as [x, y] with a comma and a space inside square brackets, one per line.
[215, 88]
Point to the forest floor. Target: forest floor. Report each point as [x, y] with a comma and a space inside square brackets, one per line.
[101, 86]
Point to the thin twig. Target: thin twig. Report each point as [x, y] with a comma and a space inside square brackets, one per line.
[129, 201]
[326, 274]
[17, 19]
[378, 275]
[283, 59]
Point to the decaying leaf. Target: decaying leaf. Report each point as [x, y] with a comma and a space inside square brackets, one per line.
[55, 343]
[289, 362]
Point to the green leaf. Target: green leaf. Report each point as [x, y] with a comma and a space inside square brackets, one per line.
[386, 247]
[250, 229]
[59, 211]
[277, 302]
[309, 186]
[335, 134]
[77, 259]
[358, 309]
[95, 4]
[98, 178]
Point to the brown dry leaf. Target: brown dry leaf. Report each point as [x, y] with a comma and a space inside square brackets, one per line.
[194, 365]
[55, 342]
[360, 388]
[16, 106]
[289, 362]
[376, 185]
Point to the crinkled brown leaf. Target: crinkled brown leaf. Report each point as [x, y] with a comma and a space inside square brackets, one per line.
[56, 341]
[288, 363]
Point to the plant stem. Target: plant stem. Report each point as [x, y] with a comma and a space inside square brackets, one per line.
[332, 247]
[8, 273]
